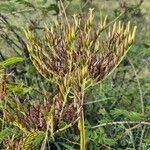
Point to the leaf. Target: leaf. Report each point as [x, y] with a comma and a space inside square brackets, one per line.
[109, 141]
[44, 1]
[7, 7]
[147, 140]
[66, 146]
[4, 134]
[19, 89]
[53, 7]
[10, 61]
[57, 145]
[131, 115]
[39, 138]
[26, 3]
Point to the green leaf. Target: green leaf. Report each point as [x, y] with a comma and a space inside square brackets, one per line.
[109, 141]
[131, 115]
[10, 61]
[66, 146]
[19, 89]
[39, 138]
[4, 134]
[58, 146]
[7, 7]
[53, 7]
[44, 1]
[26, 3]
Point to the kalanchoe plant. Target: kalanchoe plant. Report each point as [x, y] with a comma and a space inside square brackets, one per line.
[74, 56]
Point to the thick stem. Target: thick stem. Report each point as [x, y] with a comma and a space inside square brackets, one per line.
[82, 131]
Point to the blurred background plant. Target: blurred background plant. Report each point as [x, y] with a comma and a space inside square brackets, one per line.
[116, 111]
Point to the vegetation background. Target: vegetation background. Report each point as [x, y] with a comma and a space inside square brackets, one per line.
[117, 111]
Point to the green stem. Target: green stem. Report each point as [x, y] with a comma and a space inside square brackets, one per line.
[82, 131]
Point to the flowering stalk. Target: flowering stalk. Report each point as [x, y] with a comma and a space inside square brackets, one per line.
[76, 56]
